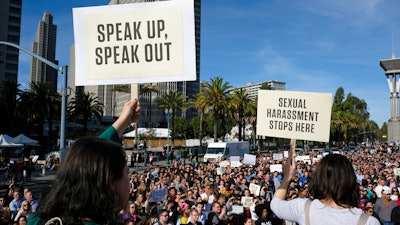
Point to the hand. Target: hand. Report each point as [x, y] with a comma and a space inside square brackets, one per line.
[130, 114]
[131, 111]
[288, 169]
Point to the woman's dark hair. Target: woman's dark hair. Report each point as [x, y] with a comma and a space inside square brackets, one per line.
[82, 188]
[335, 178]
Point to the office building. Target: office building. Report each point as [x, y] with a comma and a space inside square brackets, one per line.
[10, 27]
[45, 46]
[252, 89]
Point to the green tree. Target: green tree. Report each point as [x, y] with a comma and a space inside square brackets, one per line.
[240, 103]
[40, 103]
[201, 105]
[350, 118]
[216, 98]
[83, 106]
[174, 101]
[180, 128]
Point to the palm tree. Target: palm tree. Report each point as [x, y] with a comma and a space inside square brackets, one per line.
[40, 103]
[216, 98]
[240, 102]
[148, 89]
[200, 105]
[175, 101]
[84, 106]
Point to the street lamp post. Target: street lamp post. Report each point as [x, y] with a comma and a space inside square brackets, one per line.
[168, 115]
[64, 71]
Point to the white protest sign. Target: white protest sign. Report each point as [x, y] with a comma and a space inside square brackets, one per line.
[302, 158]
[158, 195]
[220, 171]
[249, 159]
[247, 201]
[234, 158]
[235, 164]
[254, 189]
[237, 209]
[135, 43]
[277, 156]
[224, 163]
[286, 154]
[294, 115]
[275, 167]
[396, 171]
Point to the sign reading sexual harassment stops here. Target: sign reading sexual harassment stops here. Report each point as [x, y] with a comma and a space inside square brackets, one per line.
[294, 115]
[135, 43]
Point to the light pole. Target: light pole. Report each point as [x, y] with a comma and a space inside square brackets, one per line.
[63, 70]
[168, 115]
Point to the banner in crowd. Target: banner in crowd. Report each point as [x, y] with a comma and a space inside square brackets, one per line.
[276, 167]
[246, 201]
[135, 43]
[249, 159]
[294, 115]
[254, 189]
[158, 195]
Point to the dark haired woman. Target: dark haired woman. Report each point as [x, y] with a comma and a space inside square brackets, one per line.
[335, 191]
[92, 185]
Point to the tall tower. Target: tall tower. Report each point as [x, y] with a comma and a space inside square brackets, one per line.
[45, 46]
[10, 27]
[392, 69]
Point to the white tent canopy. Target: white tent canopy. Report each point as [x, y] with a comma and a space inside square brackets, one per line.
[5, 143]
[156, 132]
[22, 139]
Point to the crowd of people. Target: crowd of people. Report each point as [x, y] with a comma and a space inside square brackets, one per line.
[17, 205]
[93, 187]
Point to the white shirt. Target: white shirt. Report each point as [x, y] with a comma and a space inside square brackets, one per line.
[293, 210]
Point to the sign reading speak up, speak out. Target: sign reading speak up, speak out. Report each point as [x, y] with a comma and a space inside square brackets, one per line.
[135, 43]
[294, 115]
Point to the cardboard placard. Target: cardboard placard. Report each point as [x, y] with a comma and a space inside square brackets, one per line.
[294, 115]
[135, 43]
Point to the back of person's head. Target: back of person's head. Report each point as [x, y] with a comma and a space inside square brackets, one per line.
[395, 215]
[83, 186]
[334, 178]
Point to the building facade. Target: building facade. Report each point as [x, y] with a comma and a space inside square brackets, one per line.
[252, 89]
[10, 29]
[45, 46]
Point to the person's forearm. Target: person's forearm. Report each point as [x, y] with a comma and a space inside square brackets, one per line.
[120, 125]
[281, 191]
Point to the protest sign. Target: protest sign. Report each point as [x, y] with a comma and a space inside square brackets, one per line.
[276, 167]
[135, 43]
[254, 189]
[302, 158]
[237, 209]
[220, 170]
[294, 115]
[235, 164]
[158, 195]
[396, 171]
[277, 156]
[246, 201]
[249, 159]
[224, 163]
[234, 158]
